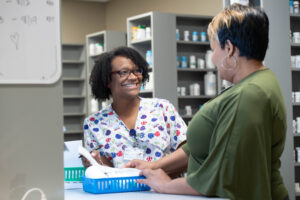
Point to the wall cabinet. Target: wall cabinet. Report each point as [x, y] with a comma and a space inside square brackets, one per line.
[295, 72]
[161, 42]
[193, 48]
[74, 90]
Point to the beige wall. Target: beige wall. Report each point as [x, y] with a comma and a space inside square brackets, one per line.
[116, 11]
[82, 18]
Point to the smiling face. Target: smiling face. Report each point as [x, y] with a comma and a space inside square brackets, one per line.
[124, 86]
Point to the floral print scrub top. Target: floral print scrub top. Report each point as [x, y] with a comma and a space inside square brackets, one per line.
[159, 130]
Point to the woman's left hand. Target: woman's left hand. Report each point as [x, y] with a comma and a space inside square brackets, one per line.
[156, 179]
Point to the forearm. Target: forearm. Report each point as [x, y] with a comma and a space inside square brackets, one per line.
[172, 162]
[179, 186]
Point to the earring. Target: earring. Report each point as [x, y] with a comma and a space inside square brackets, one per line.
[228, 68]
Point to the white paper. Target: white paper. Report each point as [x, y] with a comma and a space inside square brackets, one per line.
[71, 156]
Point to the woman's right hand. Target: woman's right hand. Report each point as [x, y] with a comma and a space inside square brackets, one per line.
[140, 164]
[96, 155]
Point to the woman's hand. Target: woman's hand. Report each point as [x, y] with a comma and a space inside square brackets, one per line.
[156, 179]
[160, 182]
[102, 160]
[140, 164]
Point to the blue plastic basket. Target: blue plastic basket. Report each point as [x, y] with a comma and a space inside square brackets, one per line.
[112, 185]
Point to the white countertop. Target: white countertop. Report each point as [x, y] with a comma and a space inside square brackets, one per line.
[79, 194]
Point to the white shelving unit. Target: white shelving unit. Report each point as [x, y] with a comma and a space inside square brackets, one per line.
[109, 40]
[162, 43]
[74, 89]
[188, 76]
[295, 72]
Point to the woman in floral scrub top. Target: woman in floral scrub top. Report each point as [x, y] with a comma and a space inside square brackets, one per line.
[131, 127]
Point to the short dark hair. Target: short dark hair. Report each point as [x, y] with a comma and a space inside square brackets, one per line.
[245, 27]
[101, 72]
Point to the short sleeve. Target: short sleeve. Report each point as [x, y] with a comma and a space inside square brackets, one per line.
[90, 141]
[176, 127]
[186, 149]
[240, 151]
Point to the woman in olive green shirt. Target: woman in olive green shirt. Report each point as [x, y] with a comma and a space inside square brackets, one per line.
[235, 141]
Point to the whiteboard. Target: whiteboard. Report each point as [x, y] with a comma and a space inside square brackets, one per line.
[30, 43]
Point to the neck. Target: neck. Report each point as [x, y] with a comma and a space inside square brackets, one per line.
[124, 107]
[245, 68]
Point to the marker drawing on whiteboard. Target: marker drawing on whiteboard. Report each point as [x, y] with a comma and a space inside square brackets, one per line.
[1, 20]
[50, 2]
[15, 39]
[23, 2]
[50, 19]
[29, 20]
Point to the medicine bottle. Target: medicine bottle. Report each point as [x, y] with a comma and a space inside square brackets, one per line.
[203, 36]
[148, 32]
[183, 62]
[196, 89]
[177, 34]
[298, 124]
[296, 7]
[192, 62]
[210, 83]
[134, 33]
[186, 35]
[141, 32]
[149, 57]
[291, 7]
[177, 62]
[195, 36]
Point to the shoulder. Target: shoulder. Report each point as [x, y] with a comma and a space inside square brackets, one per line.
[100, 115]
[161, 102]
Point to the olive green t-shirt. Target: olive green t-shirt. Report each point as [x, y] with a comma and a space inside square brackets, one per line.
[235, 141]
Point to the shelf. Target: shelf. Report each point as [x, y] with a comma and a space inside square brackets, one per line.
[296, 134]
[73, 79]
[95, 55]
[295, 45]
[297, 164]
[73, 132]
[74, 97]
[295, 16]
[194, 70]
[145, 41]
[74, 114]
[146, 91]
[72, 62]
[197, 97]
[295, 69]
[192, 43]
[296, 104]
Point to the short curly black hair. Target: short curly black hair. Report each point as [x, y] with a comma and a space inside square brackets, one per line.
[101, 73]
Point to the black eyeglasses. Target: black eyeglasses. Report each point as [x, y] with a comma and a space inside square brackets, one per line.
[126, 72]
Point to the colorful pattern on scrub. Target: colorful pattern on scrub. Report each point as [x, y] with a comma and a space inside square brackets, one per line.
[159, 130]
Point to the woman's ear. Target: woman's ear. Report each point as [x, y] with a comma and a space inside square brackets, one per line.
[230, 48]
